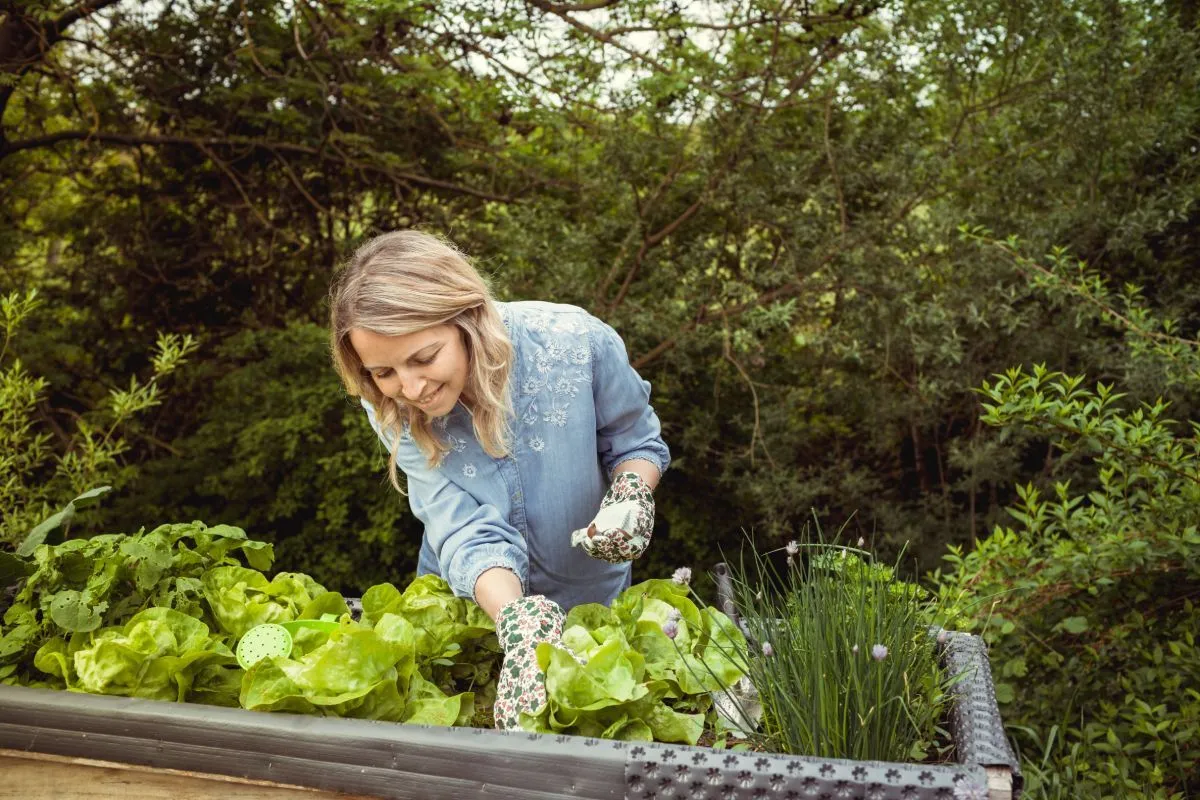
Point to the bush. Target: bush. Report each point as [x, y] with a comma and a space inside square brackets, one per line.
[42, 472]
[1087, 603]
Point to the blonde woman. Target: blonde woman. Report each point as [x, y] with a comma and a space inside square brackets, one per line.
[530, 447]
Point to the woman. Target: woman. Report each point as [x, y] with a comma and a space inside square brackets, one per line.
[528, 440]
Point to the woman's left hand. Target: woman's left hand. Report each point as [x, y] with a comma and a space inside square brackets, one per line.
[621, 530]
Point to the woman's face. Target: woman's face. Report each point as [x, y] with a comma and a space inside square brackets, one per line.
[426, 369]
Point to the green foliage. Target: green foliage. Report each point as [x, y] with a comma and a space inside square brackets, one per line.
[277, 448]
[40, 472]
[84, 585]
[619, 676]
[848, 667]
[159, 615]
[1088, 602]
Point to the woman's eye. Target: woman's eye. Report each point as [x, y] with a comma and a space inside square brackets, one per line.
[383, 373]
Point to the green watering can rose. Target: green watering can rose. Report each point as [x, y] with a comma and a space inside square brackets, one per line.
[273, 639]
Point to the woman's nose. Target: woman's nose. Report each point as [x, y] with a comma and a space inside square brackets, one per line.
[415, 392]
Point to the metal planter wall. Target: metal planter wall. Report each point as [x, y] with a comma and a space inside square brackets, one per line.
[390, 760]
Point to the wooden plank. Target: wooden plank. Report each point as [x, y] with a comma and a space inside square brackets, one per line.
[1000, 783]
[40, 776]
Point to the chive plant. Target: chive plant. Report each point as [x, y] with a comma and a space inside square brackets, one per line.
[841, 654]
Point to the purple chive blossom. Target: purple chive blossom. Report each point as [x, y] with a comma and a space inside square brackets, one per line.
[879, 652]
[682, 576]
[861, 541]
[943, 636]
[854, 649]
[670, 628]
[673, 615]
[792, 548]
[768, 651]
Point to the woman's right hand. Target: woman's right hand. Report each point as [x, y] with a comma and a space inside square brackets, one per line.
[521, 626]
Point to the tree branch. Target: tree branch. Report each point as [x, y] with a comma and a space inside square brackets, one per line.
[24, 42]
[598, 35]
[201, 143]
[837, 181]
[705, 315]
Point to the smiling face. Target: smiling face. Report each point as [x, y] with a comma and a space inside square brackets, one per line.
[426, 369]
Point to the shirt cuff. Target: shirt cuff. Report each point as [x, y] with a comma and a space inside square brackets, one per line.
[476, 569]
[653, 456]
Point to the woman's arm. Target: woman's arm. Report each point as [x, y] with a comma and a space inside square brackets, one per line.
[495, 588]
[646, 470]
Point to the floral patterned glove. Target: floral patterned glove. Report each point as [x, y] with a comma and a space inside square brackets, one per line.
[521, 626]
[621, 531]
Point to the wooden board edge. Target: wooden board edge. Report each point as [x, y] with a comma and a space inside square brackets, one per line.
[316, 794]
[1000, 783]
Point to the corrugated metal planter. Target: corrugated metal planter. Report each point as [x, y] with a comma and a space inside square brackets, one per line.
[207, 751]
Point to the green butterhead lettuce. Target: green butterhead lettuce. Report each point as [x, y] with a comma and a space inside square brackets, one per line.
[359, 671]
[157, 654]
[241, 598]
[456, 644]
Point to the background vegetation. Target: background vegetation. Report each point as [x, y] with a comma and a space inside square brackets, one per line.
[798, 214]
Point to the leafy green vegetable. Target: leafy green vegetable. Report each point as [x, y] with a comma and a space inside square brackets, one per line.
[241, 598]
[83, 585]
[456, 643]
[360, 671]
[635, 683]
[157, 654]
[158, 614]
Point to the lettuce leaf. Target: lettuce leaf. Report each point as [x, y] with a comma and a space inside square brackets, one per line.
[240, 598]
[157, 655]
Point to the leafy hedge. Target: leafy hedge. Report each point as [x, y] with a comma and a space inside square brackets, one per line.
[1088, 602]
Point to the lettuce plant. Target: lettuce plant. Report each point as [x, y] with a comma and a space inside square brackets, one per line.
[617, 674]
[159, 614]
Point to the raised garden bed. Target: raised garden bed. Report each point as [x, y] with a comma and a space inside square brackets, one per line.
[68, 744]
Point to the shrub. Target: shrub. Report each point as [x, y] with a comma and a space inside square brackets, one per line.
[1087, 602]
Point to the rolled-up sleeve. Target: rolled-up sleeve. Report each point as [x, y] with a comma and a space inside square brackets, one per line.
[626, 425]
[467, 537]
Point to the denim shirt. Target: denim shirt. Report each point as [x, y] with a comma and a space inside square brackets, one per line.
[581, 410]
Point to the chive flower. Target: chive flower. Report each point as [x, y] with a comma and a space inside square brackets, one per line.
[670, 628]
[879, 652]
[682, 576]
[792, 548]
[673, 615]
[854, 649]
[768, 651]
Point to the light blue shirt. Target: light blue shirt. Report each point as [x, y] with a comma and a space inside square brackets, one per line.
[581, 410]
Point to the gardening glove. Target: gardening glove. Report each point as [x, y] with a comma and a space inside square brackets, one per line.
[521, 626]
[621, 530]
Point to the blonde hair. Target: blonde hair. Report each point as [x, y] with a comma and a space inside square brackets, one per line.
[406, 281]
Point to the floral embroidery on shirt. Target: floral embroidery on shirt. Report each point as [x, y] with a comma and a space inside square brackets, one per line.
[566, 386]
[536, 444]
[556, 374]
[469, 470]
